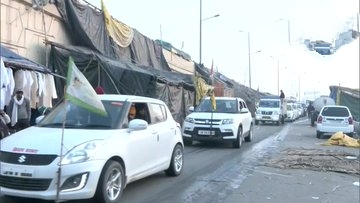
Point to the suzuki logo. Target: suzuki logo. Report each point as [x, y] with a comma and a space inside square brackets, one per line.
[22, 159]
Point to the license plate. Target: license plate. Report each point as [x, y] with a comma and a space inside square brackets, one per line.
[16, 171]
[266, 117]
[206, 132]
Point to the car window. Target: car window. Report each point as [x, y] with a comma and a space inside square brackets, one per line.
[244, 104]
[335, 111]
[269, 103]
[142, 111]
[156, 113]
[74, 116]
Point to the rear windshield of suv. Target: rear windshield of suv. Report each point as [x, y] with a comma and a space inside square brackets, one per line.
[335, 111]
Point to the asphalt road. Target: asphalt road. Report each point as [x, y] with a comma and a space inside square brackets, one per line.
[212, 172]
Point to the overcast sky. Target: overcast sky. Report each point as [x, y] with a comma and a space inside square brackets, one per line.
[177, 22]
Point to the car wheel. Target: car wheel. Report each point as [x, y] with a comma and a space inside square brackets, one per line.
[238, 142]
[177, 162]
[318, 134]
[249, 137]
[111, 183]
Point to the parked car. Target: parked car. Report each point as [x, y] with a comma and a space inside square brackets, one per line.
[100, 155]
[231, 121]
[291, 113]
[334, 118]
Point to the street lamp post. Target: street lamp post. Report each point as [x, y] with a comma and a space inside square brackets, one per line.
[200, 43]
[201, 20]
[249, 53]
[288, 25]
[278, 75]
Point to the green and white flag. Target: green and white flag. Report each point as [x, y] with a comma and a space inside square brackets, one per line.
[80, 92]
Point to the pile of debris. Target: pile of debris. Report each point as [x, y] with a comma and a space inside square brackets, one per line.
[318, 160]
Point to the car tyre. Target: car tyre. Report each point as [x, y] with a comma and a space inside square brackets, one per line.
[249, 137]
[237, 144]
[177, 161]
[111, 183]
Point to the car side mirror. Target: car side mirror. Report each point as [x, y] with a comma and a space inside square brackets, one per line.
[138, 124]
[39, 118]
[244, 110]
[191, 109]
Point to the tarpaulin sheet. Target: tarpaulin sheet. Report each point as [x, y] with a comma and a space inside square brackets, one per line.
[15, 60]
[347, 97]
[117, 77]
[87, 27]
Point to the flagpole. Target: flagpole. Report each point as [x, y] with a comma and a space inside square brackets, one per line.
[61, 153]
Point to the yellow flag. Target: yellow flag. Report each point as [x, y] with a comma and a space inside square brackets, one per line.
[121, 33]
[80, 92]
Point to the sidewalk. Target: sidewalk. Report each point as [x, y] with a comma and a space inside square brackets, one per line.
[312, 182]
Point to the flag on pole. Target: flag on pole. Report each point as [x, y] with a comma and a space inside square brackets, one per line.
[212, 70]
[212, 93]
[80, 92]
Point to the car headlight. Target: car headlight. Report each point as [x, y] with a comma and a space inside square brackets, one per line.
[228, 121]
[275, 113]
[189, 120]
[81, 153]
[258, 112]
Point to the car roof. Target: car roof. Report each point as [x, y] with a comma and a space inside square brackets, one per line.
[226, 98]
[334, 105]
[129, 98]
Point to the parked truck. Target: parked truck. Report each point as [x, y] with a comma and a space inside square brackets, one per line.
[271, 109]
[318, 103]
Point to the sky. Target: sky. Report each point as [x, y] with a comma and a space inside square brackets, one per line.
[178, 22]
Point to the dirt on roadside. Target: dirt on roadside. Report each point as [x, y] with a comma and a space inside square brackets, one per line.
[318, 160]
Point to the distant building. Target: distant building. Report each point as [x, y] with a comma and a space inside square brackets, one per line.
[321, 47]
[345, 38]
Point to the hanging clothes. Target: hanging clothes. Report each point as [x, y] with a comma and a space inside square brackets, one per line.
[4, 82]
[49, 93]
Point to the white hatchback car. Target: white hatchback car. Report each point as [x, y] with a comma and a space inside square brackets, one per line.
[100, 155]
[230, 122]
[334, 118]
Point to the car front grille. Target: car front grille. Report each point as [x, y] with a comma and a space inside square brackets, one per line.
[208, 122]
[26, 159]
[28, 184]
[266, 112]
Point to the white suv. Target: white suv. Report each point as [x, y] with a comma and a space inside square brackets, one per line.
[98, 156]
[231, 121]
[334, 118]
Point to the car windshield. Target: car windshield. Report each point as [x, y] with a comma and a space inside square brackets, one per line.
[222, 106]
[269, 103]
[78, 117]
[335, 111]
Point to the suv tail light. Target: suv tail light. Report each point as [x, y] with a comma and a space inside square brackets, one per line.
[319, 120]
[350, 119]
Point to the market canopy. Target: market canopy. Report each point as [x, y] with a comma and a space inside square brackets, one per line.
[13, 59]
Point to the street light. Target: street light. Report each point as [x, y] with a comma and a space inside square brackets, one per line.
[201, 20]
[288, 22]
[200, 46]
[248, 33]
